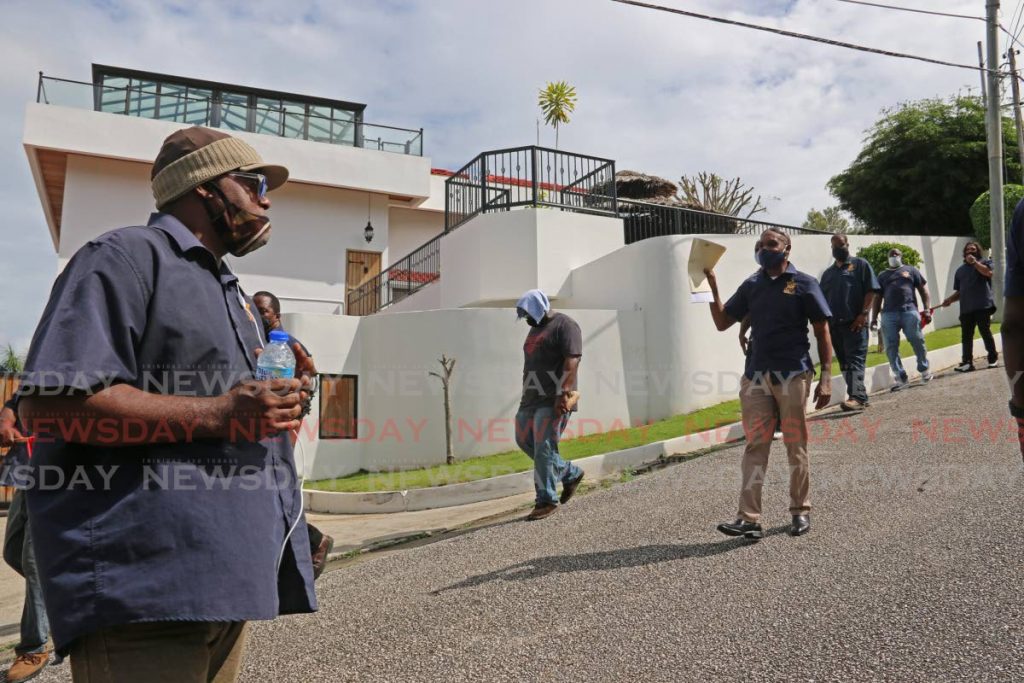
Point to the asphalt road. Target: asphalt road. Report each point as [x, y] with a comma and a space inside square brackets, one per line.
[912, 572]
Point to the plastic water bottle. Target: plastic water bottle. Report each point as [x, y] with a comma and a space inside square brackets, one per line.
[277, 360]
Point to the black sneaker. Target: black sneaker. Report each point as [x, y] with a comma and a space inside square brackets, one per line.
[800, 526]
[569, 488]
[964, 367]
[742, 527]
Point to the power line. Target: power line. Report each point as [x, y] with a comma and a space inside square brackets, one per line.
[1015, 22]
[802, 36]
[911, 9]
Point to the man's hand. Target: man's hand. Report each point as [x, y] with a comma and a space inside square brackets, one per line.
[926, 315]
[712, 279]
[859, 322]
[874, 325]
[306, 372]
[744, 341]
[273, 403]
[971, 260]
[823, 392]
[10, 436]
[561, 405]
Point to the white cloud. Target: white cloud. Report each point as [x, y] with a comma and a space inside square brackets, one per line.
[660, 93]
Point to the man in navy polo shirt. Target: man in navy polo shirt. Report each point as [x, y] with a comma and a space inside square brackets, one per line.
[780, 301]
[972, 287]
[850, 285]
[1013, 319]
[176, 518]
[900, 286]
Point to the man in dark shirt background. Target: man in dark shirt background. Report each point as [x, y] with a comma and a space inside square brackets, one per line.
[850, 286]
[898, 304]
[31, 652]
[269, 307]
[551, 358]
[972, 287]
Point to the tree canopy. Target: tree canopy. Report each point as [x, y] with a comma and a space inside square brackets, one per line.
[831, 219]
[922, 166]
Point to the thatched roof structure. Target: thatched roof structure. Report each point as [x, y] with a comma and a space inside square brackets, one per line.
[634, 185]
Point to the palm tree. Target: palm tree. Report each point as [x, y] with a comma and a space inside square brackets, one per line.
[10, 361]
[557, 100]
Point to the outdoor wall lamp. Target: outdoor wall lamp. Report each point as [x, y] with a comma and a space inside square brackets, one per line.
[368, 230]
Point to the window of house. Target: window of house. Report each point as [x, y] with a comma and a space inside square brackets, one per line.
[338, 400]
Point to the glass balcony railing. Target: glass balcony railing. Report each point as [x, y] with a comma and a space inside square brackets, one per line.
[166, 102]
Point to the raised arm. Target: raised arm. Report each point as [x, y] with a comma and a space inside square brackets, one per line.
[722, 319]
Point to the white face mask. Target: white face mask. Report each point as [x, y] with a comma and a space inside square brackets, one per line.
[895, 261]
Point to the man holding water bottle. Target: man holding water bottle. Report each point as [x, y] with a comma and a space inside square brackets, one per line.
[140, 380]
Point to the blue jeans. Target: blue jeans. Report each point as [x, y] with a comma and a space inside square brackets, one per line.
[852, 353]
[910, 323]
[537, 433]
[18, 553]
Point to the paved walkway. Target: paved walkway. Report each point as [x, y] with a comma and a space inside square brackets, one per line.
[912, 572]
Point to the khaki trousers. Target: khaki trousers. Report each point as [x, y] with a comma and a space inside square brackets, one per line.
[759, 399]
[159, 652]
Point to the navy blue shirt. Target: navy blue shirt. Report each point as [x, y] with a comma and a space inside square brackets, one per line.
[975, 289]
[845, 287]
[779, 311]
[188, 531]
[1015, 254]
[899, 288]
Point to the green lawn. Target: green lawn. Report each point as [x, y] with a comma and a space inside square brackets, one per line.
[509, 462]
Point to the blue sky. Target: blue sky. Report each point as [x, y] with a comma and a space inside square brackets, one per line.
[658, 93]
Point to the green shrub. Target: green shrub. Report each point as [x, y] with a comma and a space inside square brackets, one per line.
[877, 255]
[1012, 194]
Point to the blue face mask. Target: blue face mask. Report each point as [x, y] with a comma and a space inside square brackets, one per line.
[770, 260]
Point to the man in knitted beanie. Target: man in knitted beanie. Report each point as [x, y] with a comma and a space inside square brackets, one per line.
[179, 518]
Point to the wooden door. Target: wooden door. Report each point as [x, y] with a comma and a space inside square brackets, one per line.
[362, 267]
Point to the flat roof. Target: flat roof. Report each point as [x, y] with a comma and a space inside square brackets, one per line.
[99, 70]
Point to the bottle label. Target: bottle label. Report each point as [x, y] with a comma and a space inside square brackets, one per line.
[263, 374]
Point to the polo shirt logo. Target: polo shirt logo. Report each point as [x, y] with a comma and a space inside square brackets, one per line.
[849, 268]
[790, 287]
[905, 273]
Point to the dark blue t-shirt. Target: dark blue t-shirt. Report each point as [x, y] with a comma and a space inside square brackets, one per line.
[779, 311]
[187, 531]
[845, 287]
[1015, 254]
[899, 288]
[975, 289]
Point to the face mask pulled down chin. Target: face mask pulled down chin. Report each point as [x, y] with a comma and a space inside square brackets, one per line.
[241, 231]
[895, 262]
[770, 259]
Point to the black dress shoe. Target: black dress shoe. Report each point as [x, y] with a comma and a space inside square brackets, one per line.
[801, 525]
[742, 527]
[569, 488]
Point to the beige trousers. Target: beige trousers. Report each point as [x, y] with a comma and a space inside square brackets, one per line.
[759, 399]
[159, 652]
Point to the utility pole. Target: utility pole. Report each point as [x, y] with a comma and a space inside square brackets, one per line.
[1015, 87]
[997, 224]
[981, 75]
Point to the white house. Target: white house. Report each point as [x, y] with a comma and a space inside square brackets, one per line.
[449, 254]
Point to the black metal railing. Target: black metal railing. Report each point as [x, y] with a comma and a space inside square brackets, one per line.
[642, 220]
[403, 277]
[529, 176]
[230, 115]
